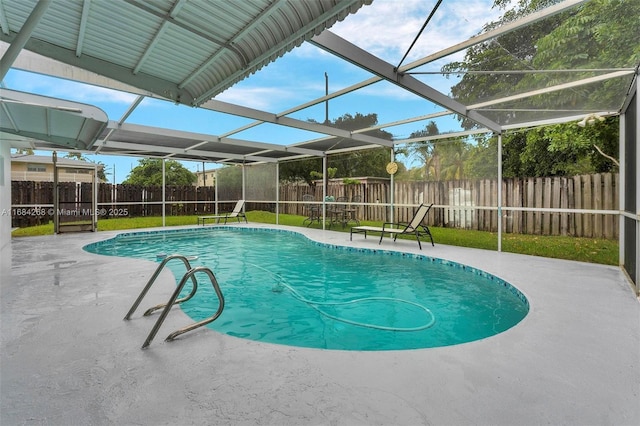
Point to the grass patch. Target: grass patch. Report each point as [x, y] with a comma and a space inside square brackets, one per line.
[592, 250]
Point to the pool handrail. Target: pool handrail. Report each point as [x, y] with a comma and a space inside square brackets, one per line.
[190, 274]
[146, 288]
[173, 299]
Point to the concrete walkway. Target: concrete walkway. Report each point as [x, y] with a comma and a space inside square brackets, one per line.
[68, 358]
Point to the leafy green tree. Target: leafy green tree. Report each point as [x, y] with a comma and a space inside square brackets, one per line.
[512, 145]
[600, 34]
[296, 170]
[442, 159]
[567, 149]
[559, 150]
[149, 172]
[511, 51]
[455, 153]
[369, 162]
[331, 173]
[482, 160]
[428, 153]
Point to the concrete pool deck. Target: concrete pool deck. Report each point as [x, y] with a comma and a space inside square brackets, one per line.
[69, 358]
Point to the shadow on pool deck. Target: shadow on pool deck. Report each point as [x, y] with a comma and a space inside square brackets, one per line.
[69, 358]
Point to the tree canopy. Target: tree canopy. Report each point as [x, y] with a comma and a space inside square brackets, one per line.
[599, 35]
[582, 42]
[369, 162]
[559, 150]
[149, 172]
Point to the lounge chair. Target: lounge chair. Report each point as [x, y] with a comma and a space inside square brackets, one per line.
[414, 227]
[236, 213]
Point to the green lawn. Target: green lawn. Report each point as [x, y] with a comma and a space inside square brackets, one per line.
[591, 250]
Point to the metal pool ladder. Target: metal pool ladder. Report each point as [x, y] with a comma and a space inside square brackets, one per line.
[191, 271]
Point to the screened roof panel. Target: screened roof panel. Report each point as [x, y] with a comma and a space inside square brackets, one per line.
[570, 58]
[553, 56]
[562, 100]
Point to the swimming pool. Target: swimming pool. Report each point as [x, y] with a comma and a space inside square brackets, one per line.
[280, 287]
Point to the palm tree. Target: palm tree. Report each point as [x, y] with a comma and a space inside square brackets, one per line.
[455, 154]
[427, 152]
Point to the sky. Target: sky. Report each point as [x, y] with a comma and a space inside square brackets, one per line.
[386, 28]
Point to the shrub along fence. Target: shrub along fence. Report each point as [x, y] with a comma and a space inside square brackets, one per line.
[467, 204]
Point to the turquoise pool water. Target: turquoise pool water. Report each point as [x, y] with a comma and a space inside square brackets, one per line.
[281, 287]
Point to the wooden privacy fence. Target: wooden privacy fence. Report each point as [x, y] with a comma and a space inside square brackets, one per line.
[180, 199]
[28, 193]
[113, 200]
[468, 204]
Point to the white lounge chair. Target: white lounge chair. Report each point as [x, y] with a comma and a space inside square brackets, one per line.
[236, 213]
[414, 227]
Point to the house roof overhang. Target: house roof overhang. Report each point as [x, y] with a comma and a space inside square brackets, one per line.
[184, 51]
[35, 121]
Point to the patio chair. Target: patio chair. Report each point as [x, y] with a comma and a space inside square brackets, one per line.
[337, 211]
[313, 210]
[351, 213]
[237, 213]
[414, 227]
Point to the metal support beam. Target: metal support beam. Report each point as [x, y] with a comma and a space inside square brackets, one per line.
[34, 62]
[227, 108]
[499, 192]
[392, 189]
[203, 139]
[503, 29]
[637, 177]
[145, 149]
[126, 115]
[244, 184]
[86, 6]
[277, 194]
[164, 193]
[558, 87]
[23, 36]
[324, 192]
[143, 82]
[360, 57]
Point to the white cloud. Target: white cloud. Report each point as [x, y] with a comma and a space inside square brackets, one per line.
[387, 28]
[95, 94]
[262, 98]
[66, 89]
[387, 91]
